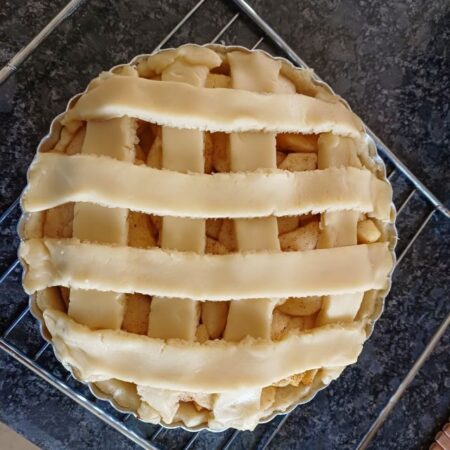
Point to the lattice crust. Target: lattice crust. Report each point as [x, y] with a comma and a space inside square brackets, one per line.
[207, 237]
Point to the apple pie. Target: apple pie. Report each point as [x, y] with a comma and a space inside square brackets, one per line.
[207, 236]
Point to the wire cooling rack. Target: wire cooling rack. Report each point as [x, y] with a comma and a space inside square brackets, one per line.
[38, 356]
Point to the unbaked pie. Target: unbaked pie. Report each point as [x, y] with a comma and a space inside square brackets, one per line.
[207, 236]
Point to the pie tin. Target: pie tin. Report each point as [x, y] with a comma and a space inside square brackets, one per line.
[52, 137]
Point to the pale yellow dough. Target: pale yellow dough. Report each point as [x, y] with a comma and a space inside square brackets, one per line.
[250, 151]
[68, 262]
[104, 354]
[57, 179]
[180, 105]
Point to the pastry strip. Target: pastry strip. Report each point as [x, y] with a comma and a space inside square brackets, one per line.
[57, 179]
[231, 110]
[338, 227]
[214, 366]
[251, 151]
[67, 262]
[91, 222]
[182, 150]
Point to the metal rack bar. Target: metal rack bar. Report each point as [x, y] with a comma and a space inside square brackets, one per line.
[8, 271]
[192, 440]
[157, 433]
[9, 210]
[227, 446]
[179, 25]
[405, 170]
[16, 321]
[225, 28]
[126, 417]
[258, 43]
[394, 171]
[26, 51]
[274, 432]
[269, 31]
[402, 206]
[40, 352]
[416, 235]
[119, 424]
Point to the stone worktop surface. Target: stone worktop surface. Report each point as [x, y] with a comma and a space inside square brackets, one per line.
[390, 61]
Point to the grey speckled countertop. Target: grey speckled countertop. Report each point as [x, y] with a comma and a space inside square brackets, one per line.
[391, 62]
